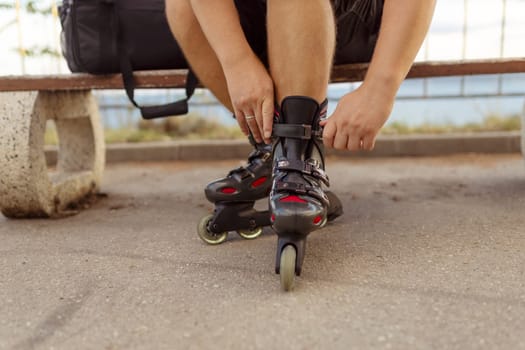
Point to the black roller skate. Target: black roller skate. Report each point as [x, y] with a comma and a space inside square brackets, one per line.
[298, 203]
[234, 197]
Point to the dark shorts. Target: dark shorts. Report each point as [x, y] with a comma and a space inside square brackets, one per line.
[357, 22]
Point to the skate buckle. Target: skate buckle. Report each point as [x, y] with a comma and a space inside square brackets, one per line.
[292, 187]
[242, 173]
[307, 132]
[266, 156]
[311, 166]
[300, 188]
[283, 163]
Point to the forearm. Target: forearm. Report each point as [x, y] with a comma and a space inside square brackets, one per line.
[220, 23]
[403, 29]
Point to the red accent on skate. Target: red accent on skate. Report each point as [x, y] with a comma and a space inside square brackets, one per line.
[318, 219]
[259, 182]
[292, 199]
[228, 190]
[272, 218]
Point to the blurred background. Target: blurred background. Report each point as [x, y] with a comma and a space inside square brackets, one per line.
[461, 29]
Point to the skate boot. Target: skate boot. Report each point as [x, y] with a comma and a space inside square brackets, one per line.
[234, 197]
[298, 203]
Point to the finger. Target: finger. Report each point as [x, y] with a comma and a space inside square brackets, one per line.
[267, 118]
[259, 121]
[241, 120]
[329, 134]
[252, 124]
[353, 143]
[340, 140]
[369, 143]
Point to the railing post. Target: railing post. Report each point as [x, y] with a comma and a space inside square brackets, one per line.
[502, 40]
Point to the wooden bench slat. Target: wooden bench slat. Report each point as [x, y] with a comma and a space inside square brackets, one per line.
[356, 72]
[177, 78]
[82, 81]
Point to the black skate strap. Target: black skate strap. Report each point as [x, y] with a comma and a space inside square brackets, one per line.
[300, 188]
[308, 168]
[296, 131]
[259, 154]
[242, 172]
[256, 160]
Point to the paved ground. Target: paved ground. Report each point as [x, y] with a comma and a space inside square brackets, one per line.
[430, 254]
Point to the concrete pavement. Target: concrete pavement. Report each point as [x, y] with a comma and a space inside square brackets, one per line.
[429, 254]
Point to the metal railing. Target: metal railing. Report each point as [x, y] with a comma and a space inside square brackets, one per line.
[464, 45]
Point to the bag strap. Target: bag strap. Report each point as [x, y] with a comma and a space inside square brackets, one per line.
[126, 68]
[159, 111]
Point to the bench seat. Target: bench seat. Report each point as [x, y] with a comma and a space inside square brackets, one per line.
[177, 78]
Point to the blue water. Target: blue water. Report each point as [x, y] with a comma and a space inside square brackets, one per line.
[117, 111]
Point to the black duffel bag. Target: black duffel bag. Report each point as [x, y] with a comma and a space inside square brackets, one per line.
[122, 36]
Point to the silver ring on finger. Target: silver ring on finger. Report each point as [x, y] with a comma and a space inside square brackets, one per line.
[249, 117]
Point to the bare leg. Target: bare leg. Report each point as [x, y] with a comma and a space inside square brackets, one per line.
[301, 42]
[204, 62]
[301, 38]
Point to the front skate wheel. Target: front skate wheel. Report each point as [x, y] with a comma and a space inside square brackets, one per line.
[250, 234]
[287, 268]
[206, 235]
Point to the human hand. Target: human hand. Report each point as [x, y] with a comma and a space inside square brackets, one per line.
[358, 118]
[252, 94]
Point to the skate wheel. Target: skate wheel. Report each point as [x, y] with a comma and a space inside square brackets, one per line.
[287, 267]
[206, 235]
[250, 234]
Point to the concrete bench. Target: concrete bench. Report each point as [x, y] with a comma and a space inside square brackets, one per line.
[28, 189]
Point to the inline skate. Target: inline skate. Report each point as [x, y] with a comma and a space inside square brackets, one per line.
[298, 203]
[235, 195]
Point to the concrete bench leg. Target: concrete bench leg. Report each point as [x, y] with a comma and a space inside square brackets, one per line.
[27, 188]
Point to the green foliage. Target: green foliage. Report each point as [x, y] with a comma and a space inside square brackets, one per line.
[492, 122]
[51, 137]
[30, 7]
[499, 123]
[37, 51]
[192, 127]
[134, 135]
